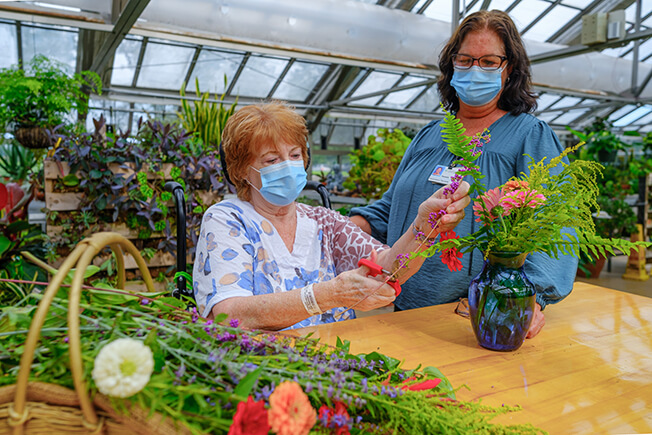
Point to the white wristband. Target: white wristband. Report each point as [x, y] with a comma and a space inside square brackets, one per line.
[309, 301]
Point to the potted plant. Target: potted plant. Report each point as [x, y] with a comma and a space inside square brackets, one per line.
[374, 165]
[40, 96]
[602, 144]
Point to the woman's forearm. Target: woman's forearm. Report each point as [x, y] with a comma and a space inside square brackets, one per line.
[362, 223]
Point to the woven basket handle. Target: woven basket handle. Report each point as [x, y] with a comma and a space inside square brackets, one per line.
[82, 256]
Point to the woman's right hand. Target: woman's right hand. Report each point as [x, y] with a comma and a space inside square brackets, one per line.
[355, 287]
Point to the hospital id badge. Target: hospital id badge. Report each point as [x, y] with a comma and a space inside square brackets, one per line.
[442, 174]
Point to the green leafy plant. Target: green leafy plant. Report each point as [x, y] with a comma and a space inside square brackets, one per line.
[42, 94]
[205, 118]
[17, 162]
[373, 166]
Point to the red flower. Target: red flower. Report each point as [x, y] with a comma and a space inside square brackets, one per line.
[451, 257]
[290, 411]
[250, 419]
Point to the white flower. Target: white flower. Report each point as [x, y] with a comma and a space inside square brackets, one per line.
[123, 367]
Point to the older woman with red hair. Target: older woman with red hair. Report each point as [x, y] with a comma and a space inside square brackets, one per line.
[273, 263]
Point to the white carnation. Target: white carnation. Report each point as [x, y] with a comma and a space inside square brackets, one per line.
[123, 367]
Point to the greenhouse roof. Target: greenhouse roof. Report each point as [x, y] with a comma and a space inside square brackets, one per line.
[349, 67]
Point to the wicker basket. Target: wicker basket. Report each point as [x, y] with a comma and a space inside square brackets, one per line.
[43, 408]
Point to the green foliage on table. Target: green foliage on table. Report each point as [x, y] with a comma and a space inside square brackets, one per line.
[42, 94]
[203, 117]
[202, 370]
[373, 166]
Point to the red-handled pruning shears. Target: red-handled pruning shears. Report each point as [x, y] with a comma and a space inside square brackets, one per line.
[375, 269]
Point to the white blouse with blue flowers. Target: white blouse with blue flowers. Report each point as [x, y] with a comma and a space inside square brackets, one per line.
[240, 253]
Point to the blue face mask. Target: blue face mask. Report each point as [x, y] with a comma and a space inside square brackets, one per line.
[476, 86]
[282, 182]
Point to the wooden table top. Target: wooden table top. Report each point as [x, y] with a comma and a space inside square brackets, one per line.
[588, 371]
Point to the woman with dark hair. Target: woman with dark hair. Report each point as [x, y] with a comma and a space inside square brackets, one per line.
[273, 263]
[486, 84]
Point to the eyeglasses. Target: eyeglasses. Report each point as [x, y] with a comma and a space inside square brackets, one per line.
[462, 307]
[489, 62]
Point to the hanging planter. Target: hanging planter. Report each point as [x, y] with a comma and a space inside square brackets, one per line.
[32, 137]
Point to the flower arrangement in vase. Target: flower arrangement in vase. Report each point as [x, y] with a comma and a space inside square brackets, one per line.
[548, 211]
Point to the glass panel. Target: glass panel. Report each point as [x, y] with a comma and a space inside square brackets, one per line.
[8, 46]
[377, 81]
[621, 112]
[565, 103]
[164, 66]
[210, 69]
[644, 120]
[300, 80]
[124, 62]
[259, 76]
[633, 116]
[400, 99]
[630, 12]
[582, 4]
[526, 12]
[354, 83]
[645, 50]
[417, 6]
[54, 44]
[546, 100]
[440, 10]
[342, 135]
[427, 102]
[547, 116]
[551, 23]
[95, 109]
[645, 129]
[120, 116]
[568, 117]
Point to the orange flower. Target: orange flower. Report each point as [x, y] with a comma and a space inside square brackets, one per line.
[290, 411]
[515, 185]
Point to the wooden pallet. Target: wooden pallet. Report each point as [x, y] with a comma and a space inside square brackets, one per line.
[70, 201]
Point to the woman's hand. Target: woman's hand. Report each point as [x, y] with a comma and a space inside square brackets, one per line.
[538, 322]
[454, 206]
[354, 287]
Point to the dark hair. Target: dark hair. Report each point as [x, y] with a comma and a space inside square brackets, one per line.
[517, 96]
[253, 126]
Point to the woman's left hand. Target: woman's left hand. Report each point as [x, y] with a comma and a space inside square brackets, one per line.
[454, 206]
[538, 322]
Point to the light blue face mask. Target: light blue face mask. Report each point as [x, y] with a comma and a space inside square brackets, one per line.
[282, 182]
[476, 86]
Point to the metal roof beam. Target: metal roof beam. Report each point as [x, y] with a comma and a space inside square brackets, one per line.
[128, 16]
[383, 92]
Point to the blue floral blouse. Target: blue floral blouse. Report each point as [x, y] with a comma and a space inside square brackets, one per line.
[240, 253]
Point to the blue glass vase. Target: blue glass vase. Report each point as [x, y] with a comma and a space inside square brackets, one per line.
[501, 302]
